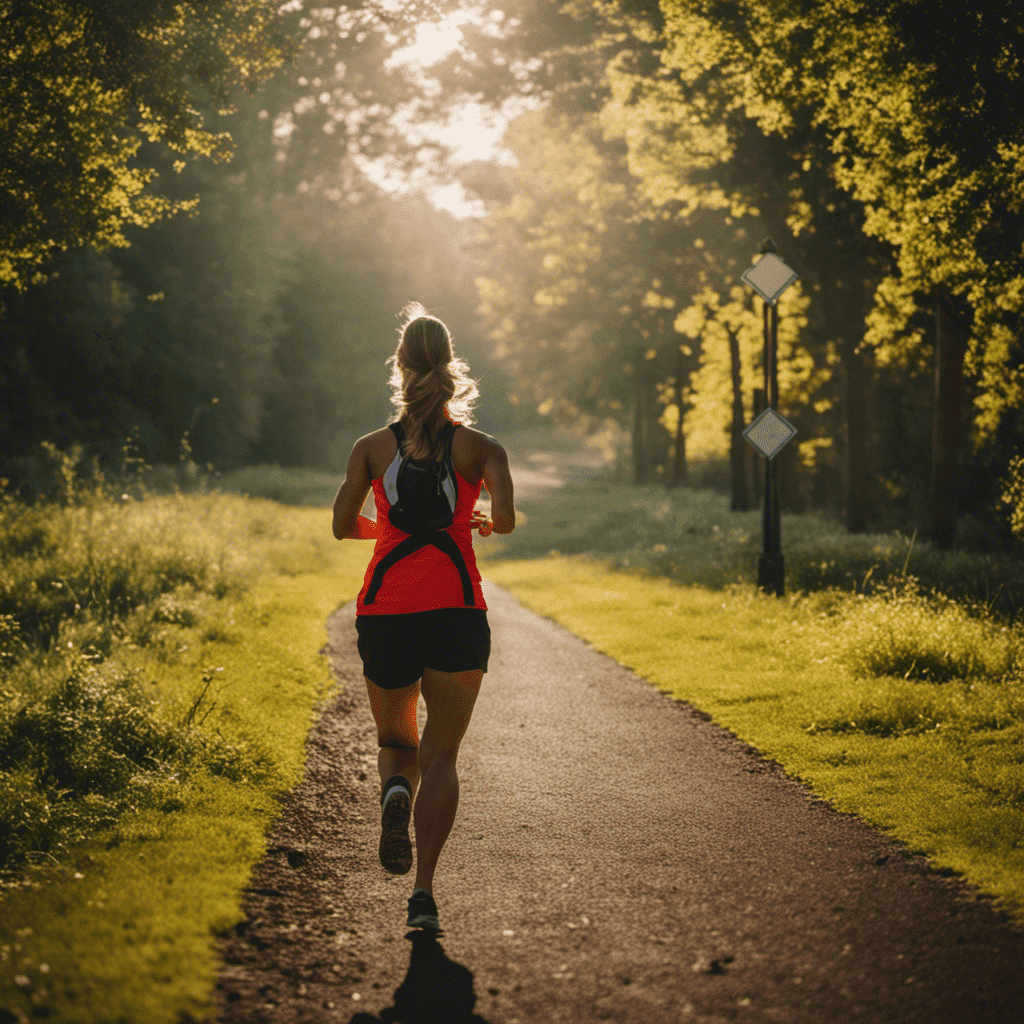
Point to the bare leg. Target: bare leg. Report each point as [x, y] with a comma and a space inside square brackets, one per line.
[434, 816]
[394, 712]
[450, 697]
[399, 761]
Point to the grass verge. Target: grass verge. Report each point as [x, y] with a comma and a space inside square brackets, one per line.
[899, 702]
[691, 536]
[118, 922]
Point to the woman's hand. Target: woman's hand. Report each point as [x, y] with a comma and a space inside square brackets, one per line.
[478, 518]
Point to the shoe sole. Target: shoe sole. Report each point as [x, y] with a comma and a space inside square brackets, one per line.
[395, 848]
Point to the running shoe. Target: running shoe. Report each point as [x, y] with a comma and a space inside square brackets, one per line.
[396, 808]
[423, 911]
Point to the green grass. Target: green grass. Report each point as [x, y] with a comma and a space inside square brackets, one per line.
[691, 536]
[195, 620]
[152, 753]
[290, 486]
[900, 700]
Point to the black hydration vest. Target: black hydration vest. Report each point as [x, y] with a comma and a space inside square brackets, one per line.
[423, 497]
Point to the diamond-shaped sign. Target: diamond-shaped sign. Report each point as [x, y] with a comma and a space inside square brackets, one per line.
[769, 433]
[769, 277]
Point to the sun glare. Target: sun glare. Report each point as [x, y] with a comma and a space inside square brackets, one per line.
[434, 41]
[473, 131]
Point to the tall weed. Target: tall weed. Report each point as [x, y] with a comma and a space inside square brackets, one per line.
[98, 569]
[903, 633]
[95, 747]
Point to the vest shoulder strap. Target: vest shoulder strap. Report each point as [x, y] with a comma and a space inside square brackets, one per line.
[399, 431]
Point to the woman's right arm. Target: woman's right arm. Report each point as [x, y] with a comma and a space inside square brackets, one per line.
[349, 524]
[498, 481]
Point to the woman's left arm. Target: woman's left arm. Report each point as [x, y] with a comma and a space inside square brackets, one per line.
[348, 523]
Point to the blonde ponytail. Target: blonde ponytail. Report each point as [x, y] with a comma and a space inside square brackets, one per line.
[428, 379]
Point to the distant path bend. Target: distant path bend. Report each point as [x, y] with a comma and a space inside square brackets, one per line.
[616, 857]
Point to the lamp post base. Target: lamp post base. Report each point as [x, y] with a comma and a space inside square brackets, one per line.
[769, 574]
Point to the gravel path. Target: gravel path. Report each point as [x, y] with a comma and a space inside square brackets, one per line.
[616, 857]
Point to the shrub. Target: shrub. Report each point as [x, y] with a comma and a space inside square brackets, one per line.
[104, 559]
[94, 748]
[87, 569]
[905, 634]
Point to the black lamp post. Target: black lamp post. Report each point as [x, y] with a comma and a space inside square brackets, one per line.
[769, 431]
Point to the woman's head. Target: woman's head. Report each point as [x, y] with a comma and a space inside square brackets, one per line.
[426, 378]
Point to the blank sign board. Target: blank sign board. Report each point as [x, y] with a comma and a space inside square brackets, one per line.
[769, 277]
[769, 433]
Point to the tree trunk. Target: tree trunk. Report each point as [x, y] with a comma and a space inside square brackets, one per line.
[737, 456]
[846, 300]
[679, 474]
[641, 420]
[952, 329]
[855, 494]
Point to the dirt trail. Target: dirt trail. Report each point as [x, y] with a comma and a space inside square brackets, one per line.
[616, 857]
[542, 460]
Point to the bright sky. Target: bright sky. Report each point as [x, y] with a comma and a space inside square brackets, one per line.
[472, 131]
[433, 40]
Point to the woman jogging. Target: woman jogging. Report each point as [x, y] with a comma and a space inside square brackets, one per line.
[421, 619]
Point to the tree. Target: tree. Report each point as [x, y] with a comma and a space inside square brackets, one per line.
[68, 348]
[713, 160]
[694, 139]
[84, 84]
[581, 297]
[931, 154]
[259, 321]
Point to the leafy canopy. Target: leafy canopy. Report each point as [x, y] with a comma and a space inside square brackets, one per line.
[84, 84]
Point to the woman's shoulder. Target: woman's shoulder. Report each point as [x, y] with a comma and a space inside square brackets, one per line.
[471, 450]
[481, 444]
[477, 437]
[377, 441]
[378, 448]
[374, 436]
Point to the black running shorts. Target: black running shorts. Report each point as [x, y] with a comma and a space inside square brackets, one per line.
[397, 648]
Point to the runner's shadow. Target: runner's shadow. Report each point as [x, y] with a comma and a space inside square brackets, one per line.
[436, 990]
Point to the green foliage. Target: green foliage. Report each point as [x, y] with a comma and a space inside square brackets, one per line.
[102, 554]
[701, 186]
[83, 85]
[588, 281]
[90, 580]
[859, 93]
[259, 325]
[94, 748]
[887, 180]
[708, 319]
[1013, 495]
[904, 635]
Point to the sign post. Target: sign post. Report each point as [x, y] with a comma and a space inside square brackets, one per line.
[769, 432]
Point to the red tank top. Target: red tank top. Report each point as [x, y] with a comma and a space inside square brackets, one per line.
[427, 578]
